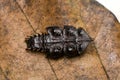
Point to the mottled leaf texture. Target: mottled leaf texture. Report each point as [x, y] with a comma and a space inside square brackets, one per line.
[21, 18]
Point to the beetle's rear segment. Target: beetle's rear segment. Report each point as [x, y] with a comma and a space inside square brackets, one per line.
[58, 42]
[34, 43]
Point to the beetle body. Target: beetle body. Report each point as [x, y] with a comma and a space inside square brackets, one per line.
[59, 42]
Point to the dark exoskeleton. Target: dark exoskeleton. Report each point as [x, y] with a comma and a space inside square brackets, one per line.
[59, 42]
